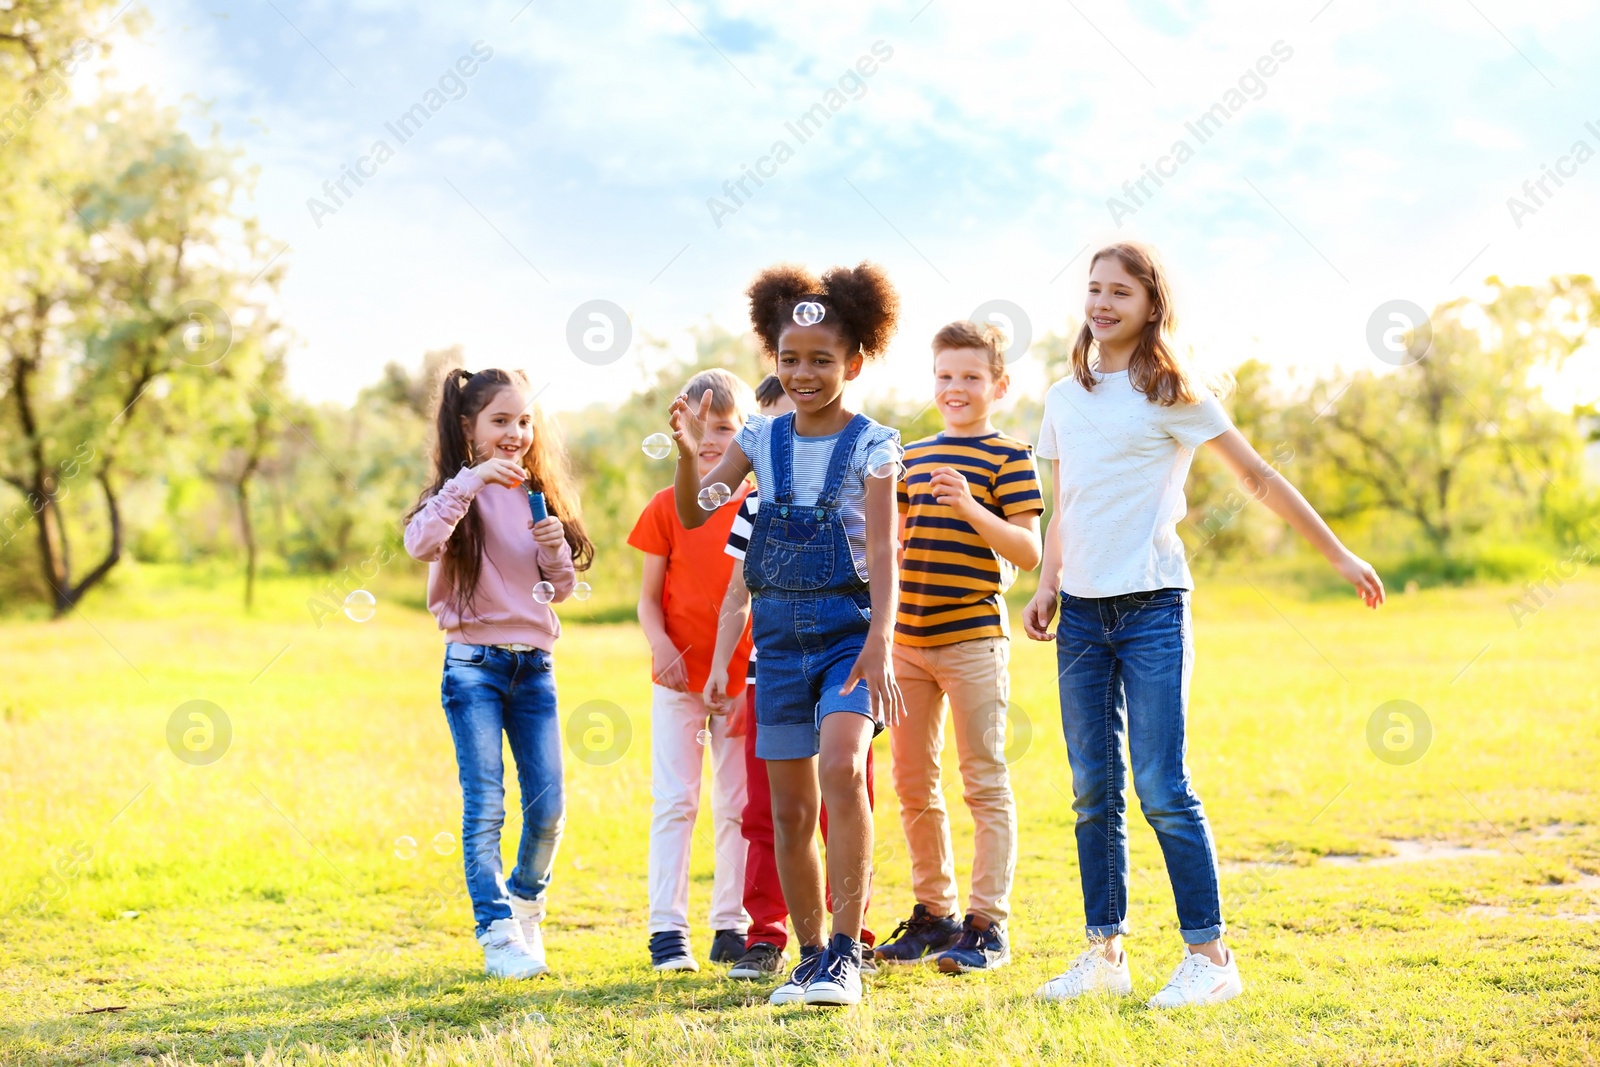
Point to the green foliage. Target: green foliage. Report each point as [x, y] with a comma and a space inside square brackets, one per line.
[1461, 446]
[1503, 563]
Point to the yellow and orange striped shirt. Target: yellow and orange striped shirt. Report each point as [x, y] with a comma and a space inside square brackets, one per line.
[951, 580]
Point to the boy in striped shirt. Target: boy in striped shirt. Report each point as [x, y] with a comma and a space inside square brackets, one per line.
[969, 512]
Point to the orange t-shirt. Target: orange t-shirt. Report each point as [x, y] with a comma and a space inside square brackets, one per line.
[697, 579]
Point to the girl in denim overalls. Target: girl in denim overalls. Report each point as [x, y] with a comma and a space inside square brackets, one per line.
[826, 523]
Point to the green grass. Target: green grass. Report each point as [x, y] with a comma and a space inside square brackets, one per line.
[256, 910]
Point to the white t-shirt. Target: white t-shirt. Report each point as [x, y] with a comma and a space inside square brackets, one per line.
[1124, 459]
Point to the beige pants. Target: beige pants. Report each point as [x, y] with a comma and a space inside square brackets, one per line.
[974, 675]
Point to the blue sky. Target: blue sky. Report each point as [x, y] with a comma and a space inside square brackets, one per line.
[975, 162]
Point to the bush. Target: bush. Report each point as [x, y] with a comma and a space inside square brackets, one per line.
[1504, 563]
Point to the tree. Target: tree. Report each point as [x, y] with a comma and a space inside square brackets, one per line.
[1462, 440]
[122, 289]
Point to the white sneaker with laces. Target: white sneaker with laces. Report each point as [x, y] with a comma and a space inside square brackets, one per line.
[1199, 981]
[793, 990]
[529, 915]
[1091, 972]
[505, 954]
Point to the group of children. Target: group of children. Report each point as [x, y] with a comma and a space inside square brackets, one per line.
[867, 580]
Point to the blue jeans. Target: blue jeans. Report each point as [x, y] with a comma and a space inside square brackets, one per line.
[487, 690]
[1124, 672]
[808, 645]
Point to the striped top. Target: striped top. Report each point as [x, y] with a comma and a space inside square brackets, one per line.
[744, 524]
[809, 470]
[951, 581]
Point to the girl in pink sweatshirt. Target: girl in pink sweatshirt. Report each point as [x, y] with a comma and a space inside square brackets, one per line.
[493, 574]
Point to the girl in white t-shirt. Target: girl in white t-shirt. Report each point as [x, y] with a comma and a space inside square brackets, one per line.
[1120, 433]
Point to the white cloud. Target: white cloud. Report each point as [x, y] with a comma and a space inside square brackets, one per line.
[990, 141]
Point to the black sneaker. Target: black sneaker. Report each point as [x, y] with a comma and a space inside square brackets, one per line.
[761, 960]
[727, 946]
[919, 938]
[669, 951]
[982, 947]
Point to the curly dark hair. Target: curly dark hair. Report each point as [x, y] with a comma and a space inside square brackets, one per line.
[860, 303]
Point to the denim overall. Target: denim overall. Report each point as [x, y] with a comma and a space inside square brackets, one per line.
[810, 610]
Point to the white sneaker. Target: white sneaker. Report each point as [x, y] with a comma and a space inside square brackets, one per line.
[530, 919]
[793, 990]
[505, 954]
[1199, 981]
[1091, 972]
[529, 915]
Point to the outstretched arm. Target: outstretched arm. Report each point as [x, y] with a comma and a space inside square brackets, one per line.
[1270, 487]
[688, 426]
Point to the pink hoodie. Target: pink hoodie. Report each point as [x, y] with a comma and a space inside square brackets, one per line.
[503, 610]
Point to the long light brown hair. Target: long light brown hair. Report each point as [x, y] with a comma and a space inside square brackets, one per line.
[461, 396]
[1155, 369]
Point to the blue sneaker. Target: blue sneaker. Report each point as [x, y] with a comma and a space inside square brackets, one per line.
[669, 951]
[794, 990]
[838, 980]
[982, 947]
[925, 936]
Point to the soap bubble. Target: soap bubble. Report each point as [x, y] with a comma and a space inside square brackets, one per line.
[658, 446]
[884, 462]
[808, 313]
[444, 842]
[704, 736]
[405, 847]
[360, 606]
[544, 592]
[581, 591]
[714, 496]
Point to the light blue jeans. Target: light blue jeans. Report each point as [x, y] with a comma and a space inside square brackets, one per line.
[486, 691]
[1124, 673]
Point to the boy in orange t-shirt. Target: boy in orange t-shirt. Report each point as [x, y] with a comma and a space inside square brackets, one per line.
[686, 573]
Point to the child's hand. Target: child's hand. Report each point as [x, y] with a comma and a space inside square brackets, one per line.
[1036, 617]
[873, 667]
[501, 472]
[1359, 573]
[667, 669]
[951, 489]
[715, 694]
[689, 424]
[548, 532]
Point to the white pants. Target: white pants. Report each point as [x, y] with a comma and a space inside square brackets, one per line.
[676, 759]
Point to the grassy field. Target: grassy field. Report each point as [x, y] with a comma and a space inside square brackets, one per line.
[269, 908]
